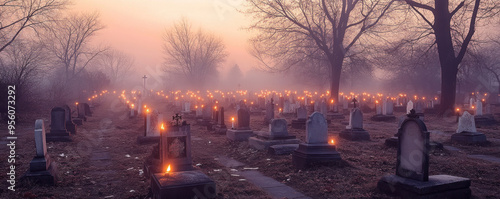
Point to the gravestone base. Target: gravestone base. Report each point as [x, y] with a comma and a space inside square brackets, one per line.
[42, 171]
[391, 142]
[220, 129]
[308, 154]
[58, 136]
[333, 116]
[383, 118]
[238, 135]
[438, 186]
[484, 120]
[143, 140]
[469, 138]
[182, 184]
[299, 124]
[78, 121]
[355, 134]
[282, 149]
[263, 142]
[71, 127]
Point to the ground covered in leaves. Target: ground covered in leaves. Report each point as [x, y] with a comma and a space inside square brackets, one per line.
[83, 174]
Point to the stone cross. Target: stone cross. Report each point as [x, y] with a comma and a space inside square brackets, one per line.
[354, 102]
[177, 118]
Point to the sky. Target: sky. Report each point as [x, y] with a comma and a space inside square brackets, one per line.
[135, 27]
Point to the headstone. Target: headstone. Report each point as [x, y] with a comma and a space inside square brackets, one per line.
[409, 106]
[70, 126]
[323, 108]
[243, 120]
[316, 129]
[187, 107]
[316, 148]
[419, 107]
[269, 112]
[287, 107]
[471, 102]
[277, 128]
[412, 178]
[277, 135]
[301, 113]
[466, 123]
[466, 131]
[479, 108]
[42, 169]
[81, 111]
[388, 108]
[86, 108]
[176, 147]
[354, 131]
[378, 108]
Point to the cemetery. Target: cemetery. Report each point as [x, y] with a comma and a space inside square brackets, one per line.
[250, 99]
[104, 159]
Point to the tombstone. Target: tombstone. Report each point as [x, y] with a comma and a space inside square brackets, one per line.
[316, 148]
[409, 107]
[388, 108]
[42, 169]
[300, 122]
[181, 181]
[378, 109]
[479, 108]
[323, 108]
[385, 112]
[70, 126]
[152, 128]
[58, 132]
[221, 126]
[86, 109]
[199, 112]
[269, 112]
[277, 134]
[466, 131]
[287, 107]
[471, 102]
[354, 131]
[243, 131]
[412, 178]
[80, 110]
[187, 107]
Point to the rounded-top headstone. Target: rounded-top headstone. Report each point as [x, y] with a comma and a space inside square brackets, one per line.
[40, 143]
[316, 129]
[277, 128]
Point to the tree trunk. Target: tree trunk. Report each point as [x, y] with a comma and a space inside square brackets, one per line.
[336, 61]
[447, 58]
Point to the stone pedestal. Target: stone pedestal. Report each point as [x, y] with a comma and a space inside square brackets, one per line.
[355, 134]
[58, 136]
[438, 186]
[308, 154]
[238, 135]
[263, 141]
[282, 149]
[484, 120]
[220, 129]
[299, 124]
[143, 140]
[383, 118]
[469, 138]
[182, 185]
[42, 171]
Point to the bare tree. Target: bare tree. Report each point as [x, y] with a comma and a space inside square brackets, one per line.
[116, 64]
[453, 23]
[18, 15]
[292, 31]
[69, 42]
[192, 54]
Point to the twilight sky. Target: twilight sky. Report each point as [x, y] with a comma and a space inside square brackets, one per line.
[135, 27]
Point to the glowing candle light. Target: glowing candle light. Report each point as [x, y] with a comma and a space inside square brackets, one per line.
[332, 142]
[232, 122]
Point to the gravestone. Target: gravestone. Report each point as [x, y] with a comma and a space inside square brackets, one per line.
[378, 109]
[42, 169]
[242, 132]
[86, 109]
[182, 181]
[58, 132]
[221, 126]
[385, 112]
[479, 108]
[412, 178]
[409, 107]
[153, 123]
[287, 107]
[81, 112]
[277, 134]
[354, 131]
[388, 108]
[70, 126]
[269, 112]
[300, 122]
[316, 148]
[466, 131]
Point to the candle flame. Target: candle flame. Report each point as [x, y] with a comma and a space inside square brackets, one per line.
[168, 169]
[232, 118]
[162, 127]
[458, 109]
[332, 141]
[147, 110]
[76, 103]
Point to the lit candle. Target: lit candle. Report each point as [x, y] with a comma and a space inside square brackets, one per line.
[232, 122]
[167, 172]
